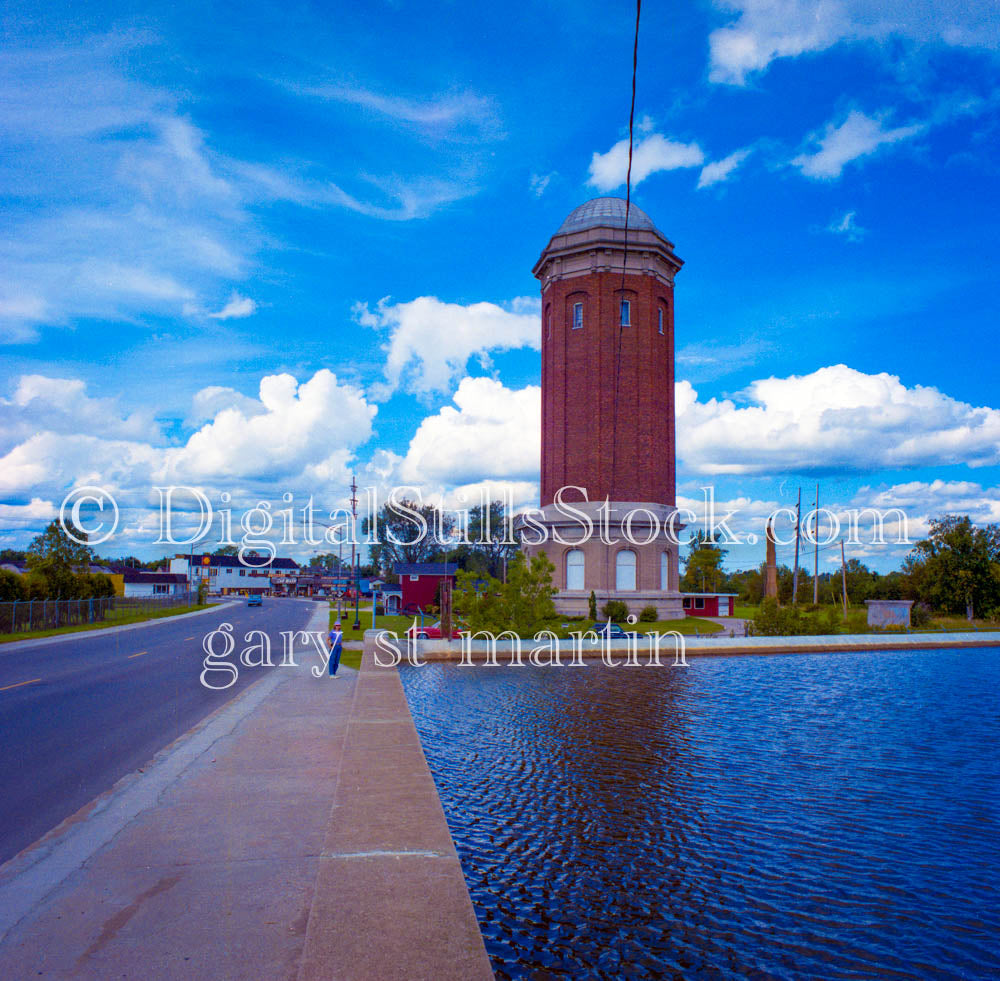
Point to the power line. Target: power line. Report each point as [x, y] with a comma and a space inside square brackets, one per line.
[621, 297]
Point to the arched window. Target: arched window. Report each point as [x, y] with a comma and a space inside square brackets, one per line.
[574, 568]
[625, 570]
[659, 322]
[664, 571]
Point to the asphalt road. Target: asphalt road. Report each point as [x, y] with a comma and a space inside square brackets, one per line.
[77, 715]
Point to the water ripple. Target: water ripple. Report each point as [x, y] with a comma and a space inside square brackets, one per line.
[760, 817]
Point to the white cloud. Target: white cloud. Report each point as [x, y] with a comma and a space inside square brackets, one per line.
[650, 154]
[539, 183]
[430, 342]
[237, 307]
[299, 437]
[835, 418]
[17, 517]
[452, 114]
[923, 500]
[61, 405]
[710, 359]
[150, 217]
[210, 401]
[857, 136]
[765, 30]
[491, 433]
[296, 427]
[847, 227]
[720, 170]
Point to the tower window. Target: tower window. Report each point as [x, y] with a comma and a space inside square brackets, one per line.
[577, 316]
[659, 324]
[625, 570]
[575, 568]
[626, 313]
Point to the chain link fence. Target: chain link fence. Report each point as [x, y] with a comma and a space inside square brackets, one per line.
[24, 616]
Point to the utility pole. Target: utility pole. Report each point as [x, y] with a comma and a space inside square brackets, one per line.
[354, 565]
[798, 535]
[340, 573]
[843, 575]
[816, 550]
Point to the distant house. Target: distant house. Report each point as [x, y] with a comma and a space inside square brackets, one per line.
[419, 582]
[709, 604]
[226, 575]
[392, 598]
[138, 582]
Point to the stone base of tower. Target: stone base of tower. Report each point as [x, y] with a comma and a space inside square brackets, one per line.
[668, 605]
[623, 551]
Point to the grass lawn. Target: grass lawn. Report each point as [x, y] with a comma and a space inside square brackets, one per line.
[117, 618]
[857, 620]
[398, 625]
[687, 625]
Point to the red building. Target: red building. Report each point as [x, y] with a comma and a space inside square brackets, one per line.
[419, 583]
[709, 604]
[608, 404]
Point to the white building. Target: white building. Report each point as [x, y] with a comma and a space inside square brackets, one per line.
[138, 582]
[226, 575]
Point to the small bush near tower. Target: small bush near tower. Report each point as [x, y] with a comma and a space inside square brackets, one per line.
[615, 610]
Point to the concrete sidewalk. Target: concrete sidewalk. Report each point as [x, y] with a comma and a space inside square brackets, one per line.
[306, 841]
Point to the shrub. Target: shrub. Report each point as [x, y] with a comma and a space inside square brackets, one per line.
[592, 605]
[615, 610]
[648, 614]
[12, 586]
[920, 615]
[36, 585]
[831, 621]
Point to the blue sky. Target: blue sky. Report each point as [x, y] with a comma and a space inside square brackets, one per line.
[257, 248]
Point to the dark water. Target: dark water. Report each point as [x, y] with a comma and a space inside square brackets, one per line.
[828, 815]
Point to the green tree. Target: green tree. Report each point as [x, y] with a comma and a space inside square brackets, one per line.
[487, 528]
[411, 543]
[957, 567]
[860, 582]
[331, 561]
[703, 572]
[57, 557]
[12, 586]
[522, 604]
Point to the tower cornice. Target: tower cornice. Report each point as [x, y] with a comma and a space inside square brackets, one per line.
[601, 249]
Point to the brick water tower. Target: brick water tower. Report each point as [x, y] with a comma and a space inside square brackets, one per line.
[608, 409]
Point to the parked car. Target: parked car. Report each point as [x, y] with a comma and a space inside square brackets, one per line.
[433, 632]
[255, 600]
[613, 630]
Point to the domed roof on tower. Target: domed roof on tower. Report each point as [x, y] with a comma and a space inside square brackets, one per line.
[606, 213]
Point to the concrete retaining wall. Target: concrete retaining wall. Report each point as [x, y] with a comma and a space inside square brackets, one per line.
[479, 650]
